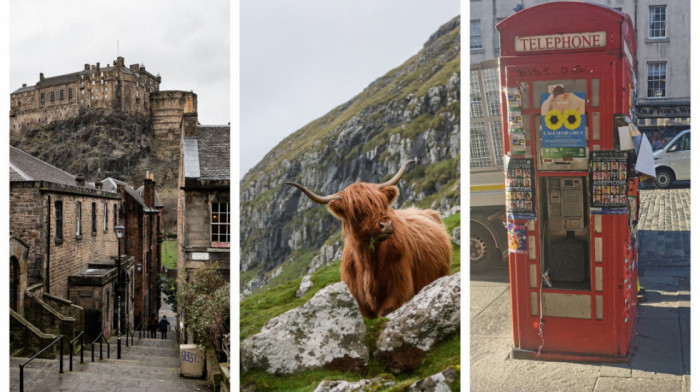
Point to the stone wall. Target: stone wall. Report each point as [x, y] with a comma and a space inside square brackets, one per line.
[166, 112]
[67, 308]
[51, 321]
[30, 202]
[28, 337]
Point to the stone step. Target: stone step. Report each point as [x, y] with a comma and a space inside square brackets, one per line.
[42, 375]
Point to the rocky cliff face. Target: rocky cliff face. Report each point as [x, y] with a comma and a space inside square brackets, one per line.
[101, 143]
[413, 111]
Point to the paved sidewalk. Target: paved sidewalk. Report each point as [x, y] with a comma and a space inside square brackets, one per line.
[660, 358]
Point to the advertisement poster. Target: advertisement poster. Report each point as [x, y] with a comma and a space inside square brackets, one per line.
[517, 238]
[515, 121]
[520, 189]
[608, 171]
[563, 123]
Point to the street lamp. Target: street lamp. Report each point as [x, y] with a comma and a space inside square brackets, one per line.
[119, 230]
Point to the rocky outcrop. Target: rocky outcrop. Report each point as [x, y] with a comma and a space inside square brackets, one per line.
[456, 232]
[411, 112]
[328, 331]
[304, 287]
[375, 384]
[440, 382]
[413, 329]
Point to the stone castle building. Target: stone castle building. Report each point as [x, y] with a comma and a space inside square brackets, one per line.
[131, 90]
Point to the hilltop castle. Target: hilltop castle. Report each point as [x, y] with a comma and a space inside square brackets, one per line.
[124, 89]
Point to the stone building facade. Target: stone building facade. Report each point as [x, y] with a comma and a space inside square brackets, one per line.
[142, 213]
[662, 62]
[203, 208]
[128, 89]
[67, 225]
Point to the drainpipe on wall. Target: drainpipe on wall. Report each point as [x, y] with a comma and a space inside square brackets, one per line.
[47, 282]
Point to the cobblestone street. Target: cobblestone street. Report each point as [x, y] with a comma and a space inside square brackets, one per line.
[660, 349]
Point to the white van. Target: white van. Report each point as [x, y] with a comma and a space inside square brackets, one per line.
[672, 161]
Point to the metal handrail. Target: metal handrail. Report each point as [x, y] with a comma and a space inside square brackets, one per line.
[100, 337]
[22, 365]
[82, 344]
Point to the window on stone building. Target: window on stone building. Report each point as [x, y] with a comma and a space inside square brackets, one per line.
[60, 95]
[656, 80]
[115, 215]
[78, 218]
[59, 219]
[657, 21]
[52, 97]
[475, 35]
[42, 98]
[94, 217]
[70, 94]
[220, 225]
[106, 211]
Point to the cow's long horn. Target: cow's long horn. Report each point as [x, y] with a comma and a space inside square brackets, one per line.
[394, 180]
[318, 199]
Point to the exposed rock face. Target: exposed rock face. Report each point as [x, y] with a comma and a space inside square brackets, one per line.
[101, 143]
[305, 286]
[414, 328]
[375, 384]
[411, 112]
[455, 235]
[440, 382]
[328, 331]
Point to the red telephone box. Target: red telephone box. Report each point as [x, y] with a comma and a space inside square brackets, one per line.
[568, 93]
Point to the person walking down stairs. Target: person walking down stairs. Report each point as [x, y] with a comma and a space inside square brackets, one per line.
[164, 325]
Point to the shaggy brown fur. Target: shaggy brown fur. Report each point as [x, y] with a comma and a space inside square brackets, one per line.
[383, 270]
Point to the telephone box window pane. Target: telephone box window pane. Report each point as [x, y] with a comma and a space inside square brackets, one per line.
[657, 21]
[656, 80]
[475, 35]
[479, 146]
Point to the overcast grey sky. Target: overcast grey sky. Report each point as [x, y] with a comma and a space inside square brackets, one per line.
[186, 42]
[301, 58]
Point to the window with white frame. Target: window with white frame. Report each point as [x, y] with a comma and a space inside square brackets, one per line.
[497, 137]
[475, 35]
[490, 80]
[657, 21]
[477, 107]
[78, 218]
[479, 146]
[220, 225]
[656, 80]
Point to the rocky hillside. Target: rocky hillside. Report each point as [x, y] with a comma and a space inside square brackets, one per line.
[413, 111]
[101, 143]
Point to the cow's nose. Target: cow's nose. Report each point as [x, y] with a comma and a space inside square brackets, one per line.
[387, 227]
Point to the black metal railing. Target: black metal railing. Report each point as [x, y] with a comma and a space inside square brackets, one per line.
[22, 365]
[70, 360]
[100, 338]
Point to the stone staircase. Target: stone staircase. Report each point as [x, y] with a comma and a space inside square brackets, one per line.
[148, 365]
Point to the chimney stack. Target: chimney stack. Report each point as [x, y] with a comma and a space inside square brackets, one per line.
[149, 191]
[98, 185]
[41, 77]
[98, 66]
[80, 180]
[87, 67]
[24, 84]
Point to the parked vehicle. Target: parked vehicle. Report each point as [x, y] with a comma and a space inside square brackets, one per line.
[672, 161]
[487, 232]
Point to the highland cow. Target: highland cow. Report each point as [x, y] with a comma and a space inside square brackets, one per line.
[389, 255]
